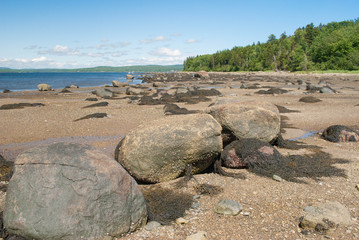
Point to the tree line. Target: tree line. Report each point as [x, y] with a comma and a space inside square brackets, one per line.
[334, 46]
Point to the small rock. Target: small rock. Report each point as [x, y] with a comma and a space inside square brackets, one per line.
[277, 178]
[246, 214]
[152, 225]
[181, 220]
[325, 217]
[357, 187]
[228, 207]
[195, 205]
[201, 235]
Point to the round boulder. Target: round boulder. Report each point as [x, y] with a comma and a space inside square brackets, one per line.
[71, 191]
[249, 153]
[44, 87]
[104, 93]
[251, 119]
[164, 149]
[339, 133]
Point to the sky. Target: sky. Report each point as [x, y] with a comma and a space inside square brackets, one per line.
[89, 33]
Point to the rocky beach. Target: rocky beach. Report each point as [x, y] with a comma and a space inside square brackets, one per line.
[273, 199]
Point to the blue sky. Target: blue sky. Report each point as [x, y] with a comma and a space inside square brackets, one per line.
[79, 33]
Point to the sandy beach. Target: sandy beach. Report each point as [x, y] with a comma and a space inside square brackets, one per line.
[327, 171]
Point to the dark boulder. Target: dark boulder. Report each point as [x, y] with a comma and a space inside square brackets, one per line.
[309, 99]
[249, 153]
[103, 93]
[71, 191]
[339, 133]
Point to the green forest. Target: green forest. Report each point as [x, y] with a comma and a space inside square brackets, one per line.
[334, 46]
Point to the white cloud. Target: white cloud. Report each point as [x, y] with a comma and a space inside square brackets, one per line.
[191, 40]
[166, 52]
[156, 39]
[61, 51]
[125, 43]
[40, 59]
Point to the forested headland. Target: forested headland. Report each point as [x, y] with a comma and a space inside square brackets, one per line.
[334, 46]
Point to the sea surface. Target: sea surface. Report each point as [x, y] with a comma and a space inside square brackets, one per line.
[29, 81]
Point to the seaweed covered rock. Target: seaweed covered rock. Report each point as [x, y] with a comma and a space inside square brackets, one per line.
[6, 169]
[339, 133]
[251, 119]
[249, 153]
[71, 191]
[164, 149]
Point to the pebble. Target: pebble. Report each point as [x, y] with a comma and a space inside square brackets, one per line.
[201, 235]
[181, 220]
[195, 205]
[277, 178]
[246, 214]
[357, 187]
[152, 225]
[228, 207]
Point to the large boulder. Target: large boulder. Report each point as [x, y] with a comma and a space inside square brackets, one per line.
[136, 91]
[104, 93]
[71, 191]
[119, 84]
[129, 76]
[44, 87]
[249, 153]
[340, 133]
[164, 149]
[251, 119]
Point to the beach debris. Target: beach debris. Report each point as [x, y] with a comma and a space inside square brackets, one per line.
[325, 217]
[228, 207]
[249, 153]
[309, 99]
[6, 91]
[164, 149]
[91, 116]
[340, 133]
[100, 104]
[103, 93]
[44, 87]
[20, 105]
[250, 119]
[95, 191]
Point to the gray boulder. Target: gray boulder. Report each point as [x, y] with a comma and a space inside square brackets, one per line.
[252, 119]
[164, 149]
[128, 76]
[325, 217]
[104, 93]
[71, 191]
[119, 84]
[44, 87]
[136, 91]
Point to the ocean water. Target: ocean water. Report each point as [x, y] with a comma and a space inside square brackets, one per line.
[29, 81]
